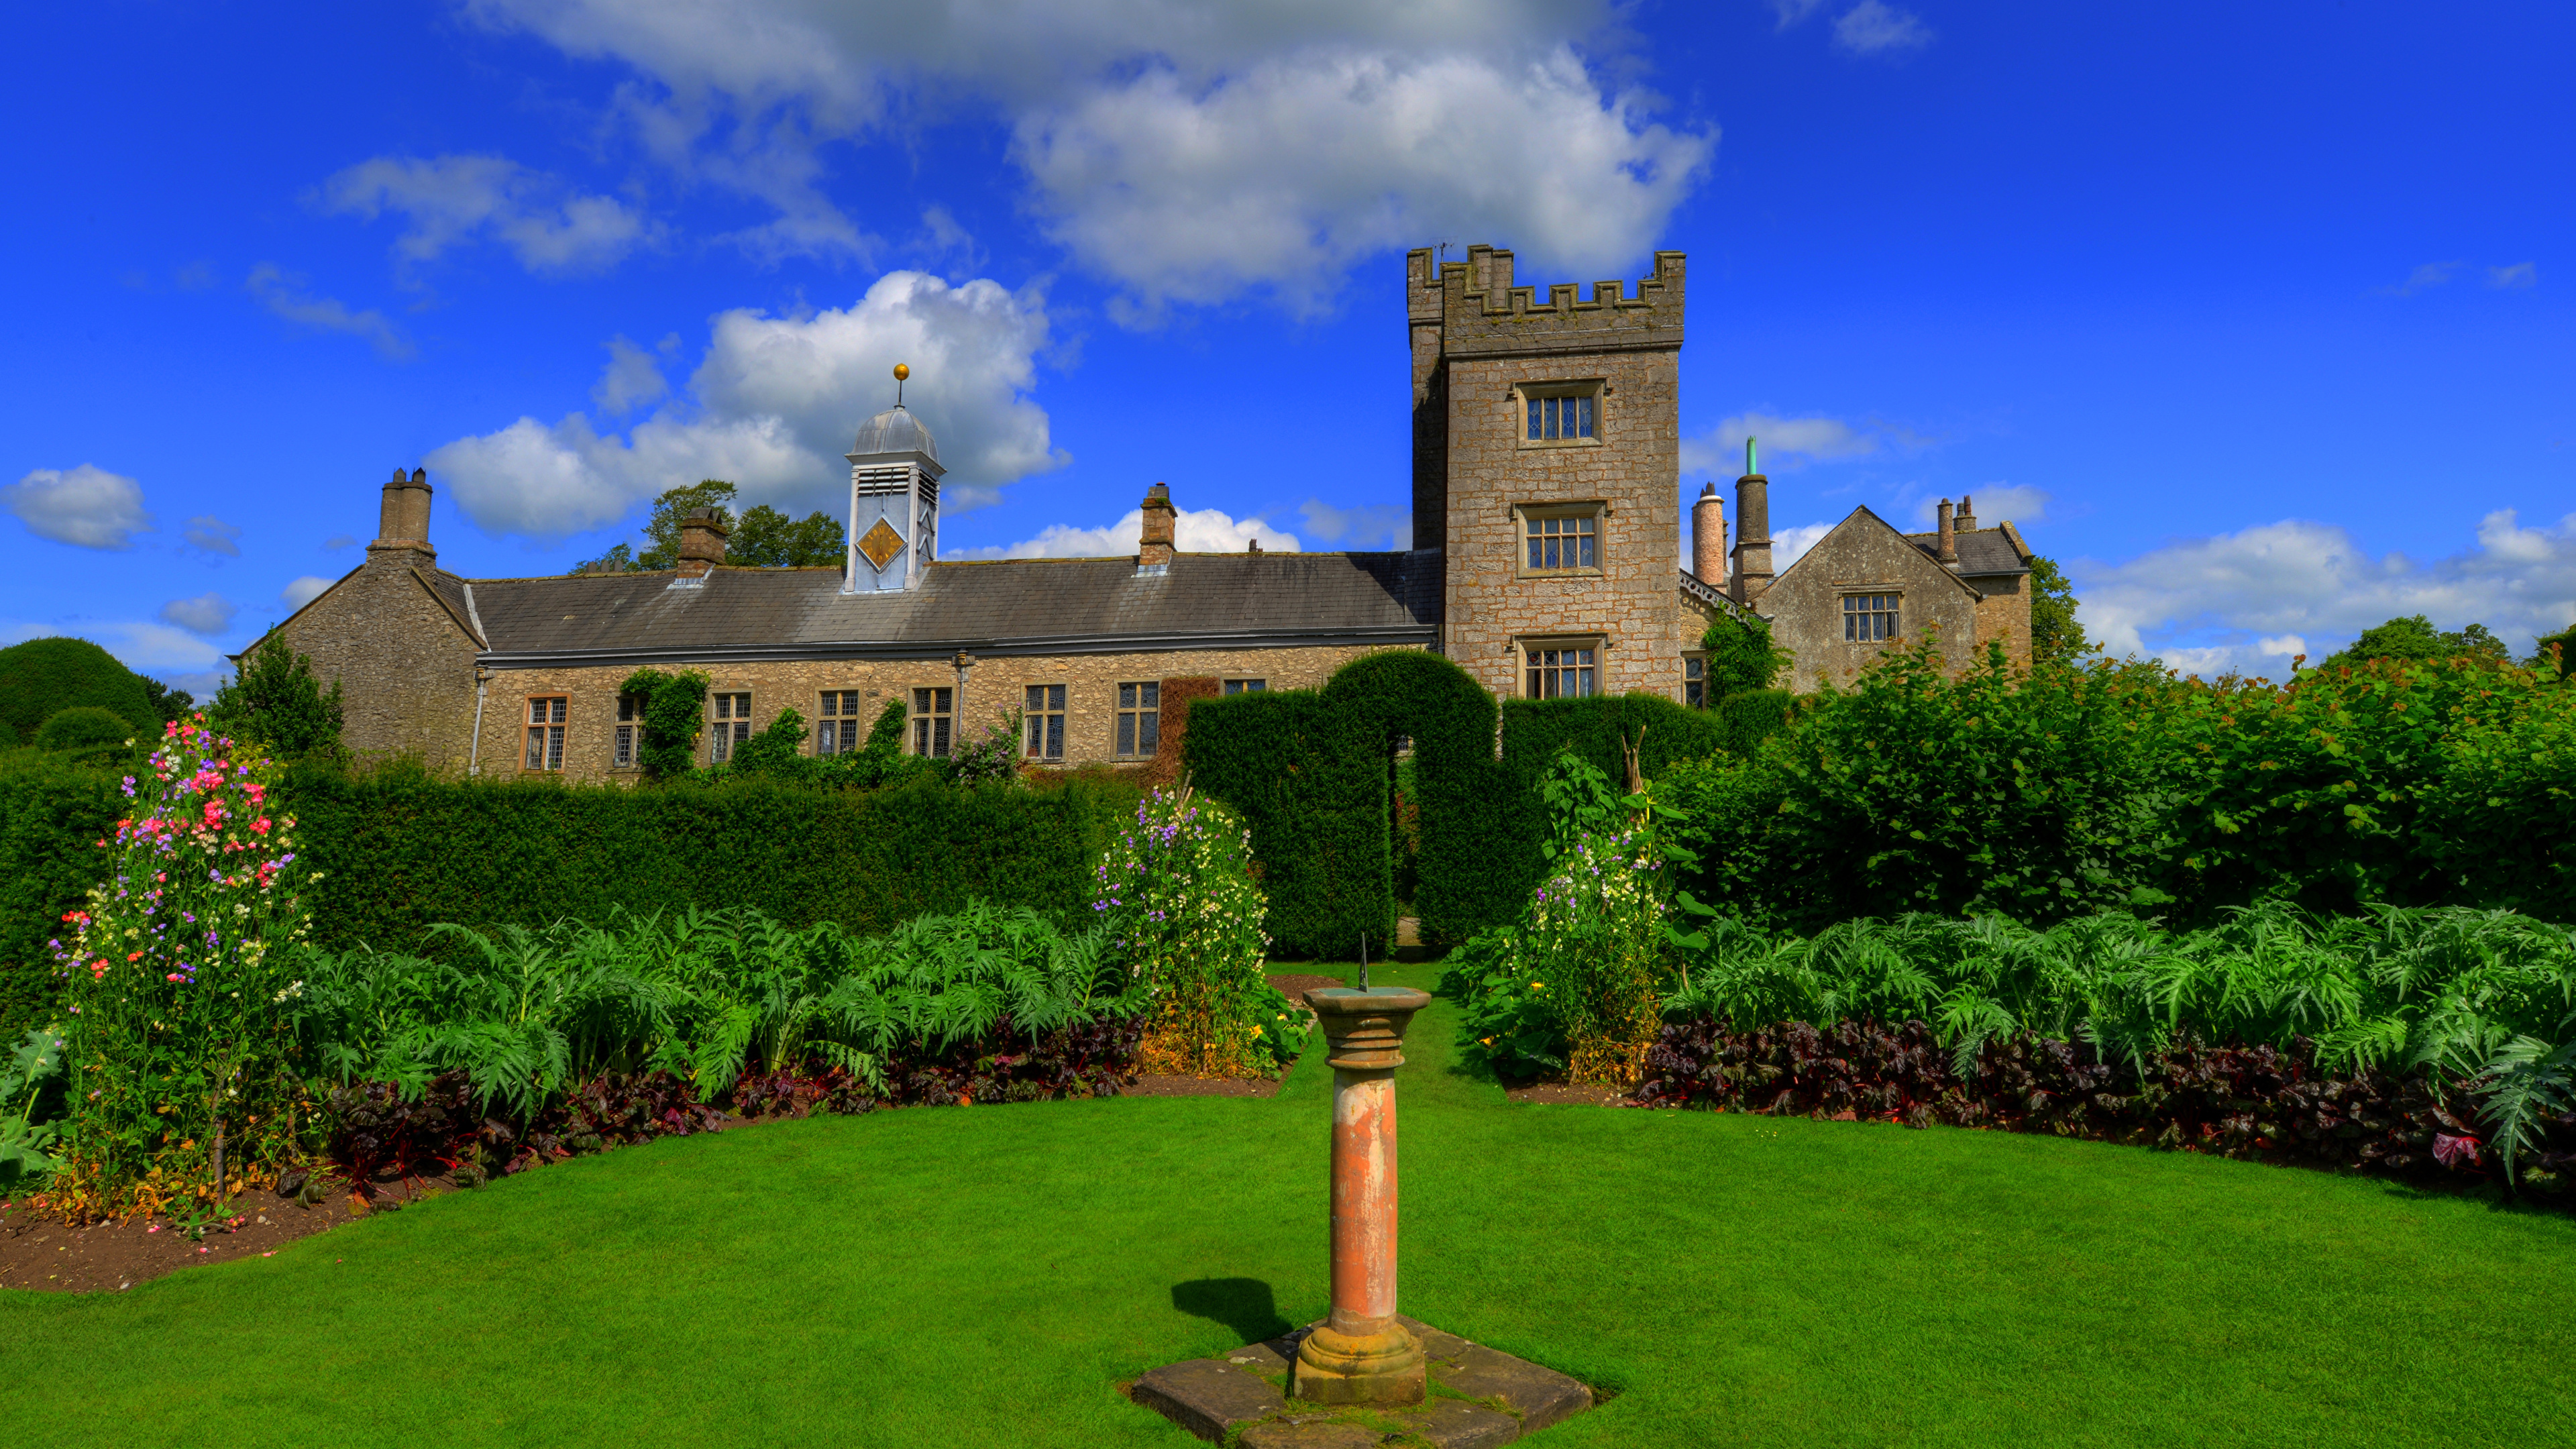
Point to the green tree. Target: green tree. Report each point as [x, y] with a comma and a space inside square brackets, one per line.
[1741, 656]
[2055, 635]
[766, 538]
[43, 677]
[662, 529]
[171, 704]
[277, 701]
[2415, 638]
[2556, 655]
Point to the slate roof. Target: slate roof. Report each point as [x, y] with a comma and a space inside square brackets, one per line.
[1017, 606]
[1981, 551]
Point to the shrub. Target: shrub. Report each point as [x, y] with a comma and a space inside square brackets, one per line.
[54, 811]
[86, 731]
[180, 1071]
[43, 677]
[672, 710]
[1177, 899]
[276, 702]
[1741, 657]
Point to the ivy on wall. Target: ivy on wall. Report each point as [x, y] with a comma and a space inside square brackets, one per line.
[673, 712]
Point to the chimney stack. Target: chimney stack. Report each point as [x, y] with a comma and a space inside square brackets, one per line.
[1708, 538]
[402, 517]
[1949, 539]
[1154, 547]
[1967, 514]
[702, 542]
[1752, 531]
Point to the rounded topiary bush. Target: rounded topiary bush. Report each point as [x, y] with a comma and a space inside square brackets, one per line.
[84, 727]
[43, 677]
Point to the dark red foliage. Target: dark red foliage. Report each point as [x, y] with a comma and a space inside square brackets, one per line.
[2259, 1103]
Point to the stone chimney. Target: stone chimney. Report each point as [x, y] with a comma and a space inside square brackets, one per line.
[1949, 554]
[702, 542]
[1708, 538]
[402, 517]
[1967, 514]
[1752, 537]
[1154, 548]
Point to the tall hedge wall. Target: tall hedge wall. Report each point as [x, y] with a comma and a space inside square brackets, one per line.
[399, 853]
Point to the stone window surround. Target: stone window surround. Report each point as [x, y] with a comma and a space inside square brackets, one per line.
[1522, 513]
[722, 720]
[1894, 591]
[1597, 641]
[630, 728]
[1695, 674]
[1136, 714]
[1044, 704]
[552, 746]
[1596, 388]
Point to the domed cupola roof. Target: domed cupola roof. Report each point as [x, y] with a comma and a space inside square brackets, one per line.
[895, 430]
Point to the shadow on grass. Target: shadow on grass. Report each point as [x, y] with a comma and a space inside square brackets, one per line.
[1241, 1304]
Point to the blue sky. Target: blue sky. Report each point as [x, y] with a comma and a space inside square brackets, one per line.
[2256, 317]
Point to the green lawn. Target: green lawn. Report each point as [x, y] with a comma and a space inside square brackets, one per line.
[984, 1275]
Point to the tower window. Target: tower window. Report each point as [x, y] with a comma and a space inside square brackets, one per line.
[1140, 719]
[836, 730]
[1562, 671]
[1045, 716]
[1869, 616]
[1555, 419]
[732, 725]
[546, 732]
[933, 713]
[1561, 540]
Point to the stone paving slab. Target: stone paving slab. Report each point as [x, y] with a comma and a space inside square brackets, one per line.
[1213, 1397]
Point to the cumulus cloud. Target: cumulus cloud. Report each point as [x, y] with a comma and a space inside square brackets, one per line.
[87, 507]
[1873, 28]
[448, 201]
[775, 403]
[2515, 277]
[282, 295]
[1192, 152]
[1788, 545]
[1194, 530]
[2233, 601]
[1785, 444]
[204, 614]
[213, 535]
[1369, 526]
[302, 592]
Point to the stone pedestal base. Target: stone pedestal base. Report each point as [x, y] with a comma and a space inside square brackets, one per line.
[1487, 1397]
[1385, 1367]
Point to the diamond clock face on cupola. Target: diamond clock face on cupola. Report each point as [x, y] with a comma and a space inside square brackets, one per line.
[894, 500]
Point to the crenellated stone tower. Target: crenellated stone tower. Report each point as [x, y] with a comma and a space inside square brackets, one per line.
[1546, 468]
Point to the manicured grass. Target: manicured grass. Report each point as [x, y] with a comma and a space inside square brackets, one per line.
[985, 1276]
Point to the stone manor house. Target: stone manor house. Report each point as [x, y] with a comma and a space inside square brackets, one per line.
[1546, 529]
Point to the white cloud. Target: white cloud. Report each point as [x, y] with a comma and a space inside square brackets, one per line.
[776, 402]
[1873, 28]
[213, 535]
[2230, 601]
[1994, 503]
[633, 376]
[2515, 277]
[204, 614]
[280, 294]
[1788, 545]
[339, 541]
[2430, 274]
[1190, 151]
[1782, 442]
[1369, 526]
[146, 645]
[302, 592]
[1791, 12]
[1195, 530]
[86, 506]
[450, 200]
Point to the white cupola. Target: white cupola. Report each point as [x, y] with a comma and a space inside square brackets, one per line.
[894, 500]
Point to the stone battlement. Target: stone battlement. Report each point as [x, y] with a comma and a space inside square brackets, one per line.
[1477, 309]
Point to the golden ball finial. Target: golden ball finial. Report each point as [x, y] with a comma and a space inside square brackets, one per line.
[901, 372]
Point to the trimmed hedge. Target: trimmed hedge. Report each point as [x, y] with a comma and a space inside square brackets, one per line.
[52, 815]
[41, 677]
[401, 853]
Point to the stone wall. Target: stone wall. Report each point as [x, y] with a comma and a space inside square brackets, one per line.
[991, 685]
[1863, 555]
[404, 664]
[2004, 614]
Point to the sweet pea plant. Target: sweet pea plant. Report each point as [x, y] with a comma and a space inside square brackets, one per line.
[1176, 892]
[178, 1044]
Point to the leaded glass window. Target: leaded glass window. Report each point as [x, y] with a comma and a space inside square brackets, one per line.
[933, 714]
[1868, 617]
[1694, 681]
[836, 728]
[730, 726]
[1558, 543]
[1044, 712]
[546, 731]
[1555, 419]
[1140, 719]
[628, 724]
[1561, 672]
[1246, 686]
